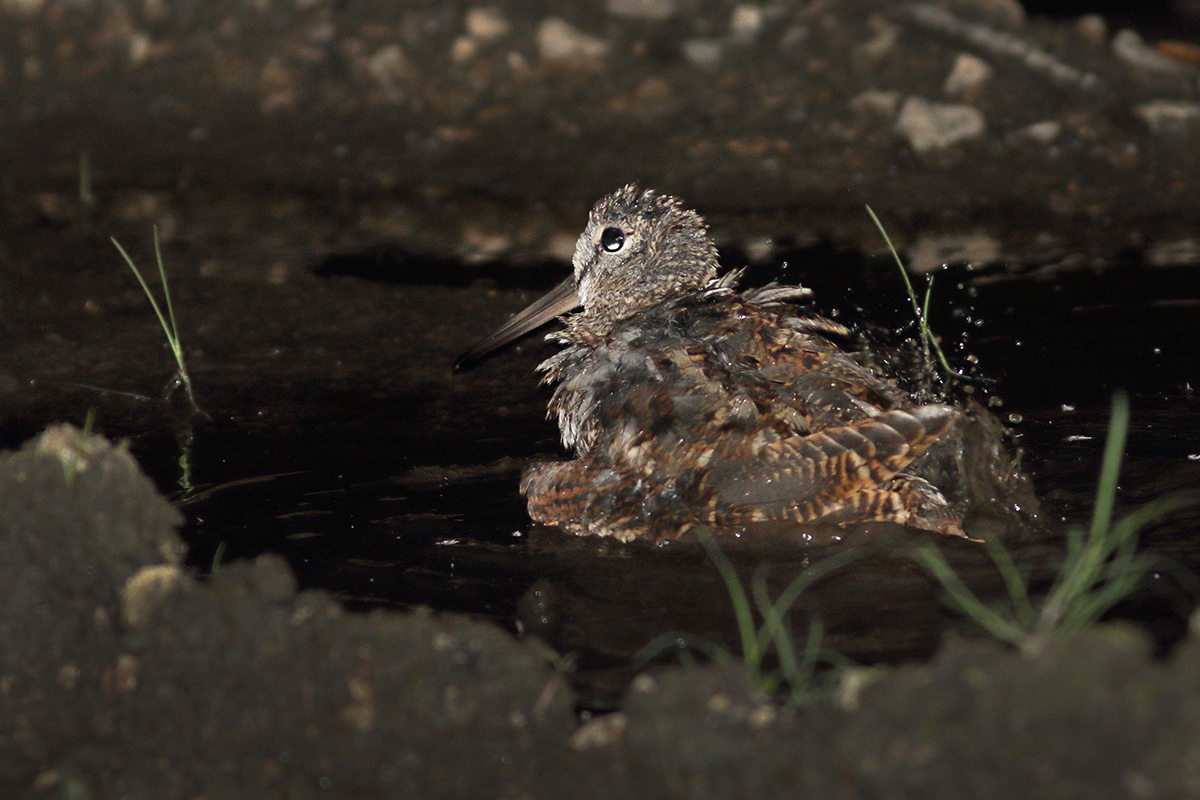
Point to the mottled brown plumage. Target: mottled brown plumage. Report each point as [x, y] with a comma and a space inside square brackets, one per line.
[687, 402]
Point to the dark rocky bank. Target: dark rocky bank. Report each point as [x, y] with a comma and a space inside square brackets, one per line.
[122, 676]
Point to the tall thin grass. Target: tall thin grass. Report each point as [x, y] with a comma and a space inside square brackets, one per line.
[797, 673]
[1102, 565]
[167, 321]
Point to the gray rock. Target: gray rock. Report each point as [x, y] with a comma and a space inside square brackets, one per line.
[937, 126]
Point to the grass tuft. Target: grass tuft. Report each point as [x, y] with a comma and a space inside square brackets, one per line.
[797, 670]
[181, 376]
[929, 342]
[1102, 565]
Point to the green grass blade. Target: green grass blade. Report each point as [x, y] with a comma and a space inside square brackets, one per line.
[965, 600]
[799, 585]
[801, 681]
[928, 340]
[1141, 516]
[1018, 592]
[684, 641]
[1085, 565]
[1110, 467]
[167, 321]
[774, 627]
[751, 653]
[162, 320]
[912, 295]
[173, 334]
[812, 648]
[1088, 608]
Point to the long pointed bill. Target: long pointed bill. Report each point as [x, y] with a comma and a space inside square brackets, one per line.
[555, 303]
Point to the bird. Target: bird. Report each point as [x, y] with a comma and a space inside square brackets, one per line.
[689, 403]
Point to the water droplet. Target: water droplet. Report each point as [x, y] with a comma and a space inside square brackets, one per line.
[1015, 419]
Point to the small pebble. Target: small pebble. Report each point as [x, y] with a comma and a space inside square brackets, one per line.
[1129, 47]
[1175, 253]
[879, 101]
[1163, 116]
[1043, 132]
[703, 54]
[967, 77]
[603, 731]
[463, 49]
[486, 24]
[1093, 28]
[1184, 52]
[746, 22]
[881, 43]
[936, 126]
[558, 40]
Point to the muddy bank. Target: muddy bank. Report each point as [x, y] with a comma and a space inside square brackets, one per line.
[122, 675]
[485, 131]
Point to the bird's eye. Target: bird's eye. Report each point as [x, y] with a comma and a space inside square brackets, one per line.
[612, 239]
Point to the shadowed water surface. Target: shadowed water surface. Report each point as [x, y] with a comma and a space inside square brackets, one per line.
[398, 497]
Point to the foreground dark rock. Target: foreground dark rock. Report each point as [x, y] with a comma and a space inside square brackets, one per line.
[121, 675]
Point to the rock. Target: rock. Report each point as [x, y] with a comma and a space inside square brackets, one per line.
[487, 24]
[877, 101]
[1163, 116]
[558, 40]
[147, 589]
[1129, 47]
[746, 22]
[1174, 253]
[604, 731]
[967, 77]
[703, 54]
[1092, 28]
[934, 251]
[936, 126]
[1043, 132]
[303, 694]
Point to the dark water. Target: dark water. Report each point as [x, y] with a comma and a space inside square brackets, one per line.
[372, 500]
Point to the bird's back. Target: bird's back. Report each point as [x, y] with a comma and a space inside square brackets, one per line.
[726, 409]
